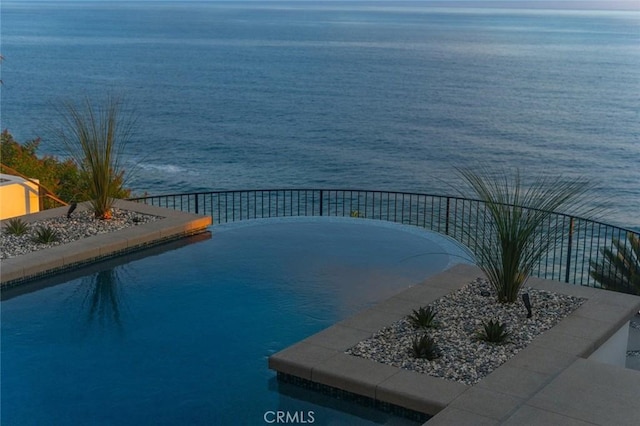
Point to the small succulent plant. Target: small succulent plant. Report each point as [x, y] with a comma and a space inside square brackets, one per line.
[45, 235]
[493, 332]
[424, 347]
[424, 317]
[16, 226]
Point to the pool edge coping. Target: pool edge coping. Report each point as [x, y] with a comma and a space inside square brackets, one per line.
[501, 395]
[171, 225]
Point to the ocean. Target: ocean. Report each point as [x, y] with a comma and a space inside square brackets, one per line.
[364, 95]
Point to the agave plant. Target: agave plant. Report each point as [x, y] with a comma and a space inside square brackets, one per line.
[423, 317]
[493, 332]
[619, 269]
[46, 235]
[95, 139]
[517, 225]
[16, 226]
[424, 347]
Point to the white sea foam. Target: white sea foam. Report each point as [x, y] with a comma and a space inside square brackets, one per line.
[169, 168]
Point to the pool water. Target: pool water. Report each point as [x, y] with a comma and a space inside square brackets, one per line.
[182, 335]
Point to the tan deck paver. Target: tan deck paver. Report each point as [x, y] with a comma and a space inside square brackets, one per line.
[112, 242]
[565, 343]
[141, 234]
[514, 381]
[590, 329]
[80, 251]
[353, 374]
[38, 262]
[541, 360]
[300, 359]
[601, 310]
[532, 416]
[621, 300]
[487, 403]
[593, 392]
[456, 417]
[11, 269]
[419, 392]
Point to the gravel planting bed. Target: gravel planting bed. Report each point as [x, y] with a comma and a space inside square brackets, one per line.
[81, 224]
[460, 315]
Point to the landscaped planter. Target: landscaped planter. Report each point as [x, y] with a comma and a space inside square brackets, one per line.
[171, 224]
[549, 364]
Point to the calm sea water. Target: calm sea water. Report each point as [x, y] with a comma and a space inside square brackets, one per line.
[369, 95]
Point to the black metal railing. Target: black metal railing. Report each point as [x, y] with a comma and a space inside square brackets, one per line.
[579, 240]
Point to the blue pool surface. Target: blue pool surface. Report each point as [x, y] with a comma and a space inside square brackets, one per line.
[181, 334]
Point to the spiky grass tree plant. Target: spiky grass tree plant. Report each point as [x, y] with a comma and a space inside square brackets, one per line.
[620, 266]
[517, 227]
[95, 137]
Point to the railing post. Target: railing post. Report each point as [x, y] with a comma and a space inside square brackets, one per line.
[566, 275]
[321, 206]
[197, 210]
[446, 223]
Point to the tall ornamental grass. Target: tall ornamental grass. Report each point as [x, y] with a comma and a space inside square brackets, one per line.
[619, 269]
[95, 138]
[518, 227]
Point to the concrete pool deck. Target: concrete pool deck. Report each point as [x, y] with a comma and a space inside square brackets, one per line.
[173, 224]
[563, 377]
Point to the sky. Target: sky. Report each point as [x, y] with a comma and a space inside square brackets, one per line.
[633, 5]
[601, 4]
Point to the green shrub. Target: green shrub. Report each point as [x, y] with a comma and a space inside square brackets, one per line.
[423, 317]
[493, 332]
[62, 178]
[16, 226]
[46, 235]
[424, 347]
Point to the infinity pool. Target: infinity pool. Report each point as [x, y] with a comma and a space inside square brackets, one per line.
[181, 334]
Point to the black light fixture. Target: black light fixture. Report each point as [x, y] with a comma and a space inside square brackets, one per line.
[71, 209]
[527, 304]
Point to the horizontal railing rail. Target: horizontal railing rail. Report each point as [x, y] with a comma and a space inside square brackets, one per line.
[579, 240]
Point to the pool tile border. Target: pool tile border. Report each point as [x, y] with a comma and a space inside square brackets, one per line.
[518, 387]
[172, 225]
[386, 407]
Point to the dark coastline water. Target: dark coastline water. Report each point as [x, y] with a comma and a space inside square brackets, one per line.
[365, 95]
